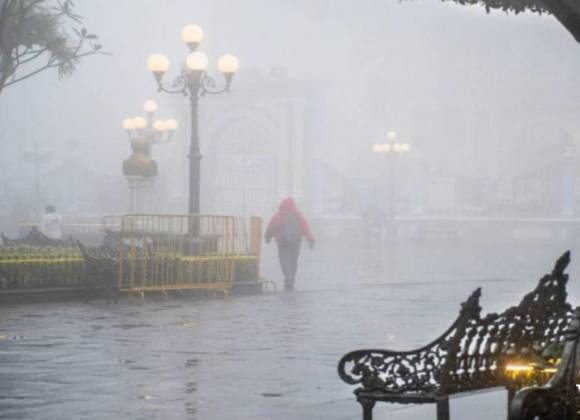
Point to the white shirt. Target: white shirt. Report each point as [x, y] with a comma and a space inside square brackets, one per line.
[50, 225]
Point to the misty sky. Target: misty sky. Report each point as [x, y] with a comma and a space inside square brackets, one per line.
[482, 78]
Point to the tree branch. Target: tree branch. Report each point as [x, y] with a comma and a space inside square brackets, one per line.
[26, 76]
[35, 54]
[49, 65]
[31, 28]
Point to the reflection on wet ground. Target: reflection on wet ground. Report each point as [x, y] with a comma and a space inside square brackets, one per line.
[255, 357]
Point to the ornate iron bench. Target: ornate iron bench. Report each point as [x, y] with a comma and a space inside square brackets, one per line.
[471, 355]
[559, 398]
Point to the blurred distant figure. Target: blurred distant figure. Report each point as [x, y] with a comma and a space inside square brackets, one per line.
[50, 224]
[288, 226]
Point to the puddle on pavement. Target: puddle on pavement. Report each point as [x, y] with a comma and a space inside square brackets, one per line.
[193, 355]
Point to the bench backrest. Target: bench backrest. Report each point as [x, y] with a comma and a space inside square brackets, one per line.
[480, 346]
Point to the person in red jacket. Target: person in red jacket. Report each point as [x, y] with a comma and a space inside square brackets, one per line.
[288, 226]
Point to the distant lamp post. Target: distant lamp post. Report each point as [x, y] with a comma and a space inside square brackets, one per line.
[391, 148]
[140, 169]
[193, 82]
[149, 129]
[37, 157]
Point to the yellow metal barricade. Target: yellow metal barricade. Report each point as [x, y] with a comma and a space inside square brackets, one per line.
[181, 252]
[150, 253]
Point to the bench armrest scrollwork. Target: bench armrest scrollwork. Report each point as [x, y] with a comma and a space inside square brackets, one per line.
[418, 371]
[392, 371]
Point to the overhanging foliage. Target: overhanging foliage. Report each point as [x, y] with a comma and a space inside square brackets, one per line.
[37, 35]
[566, 11]
[515, 6]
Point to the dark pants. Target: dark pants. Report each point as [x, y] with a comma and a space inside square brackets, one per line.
[288, 252]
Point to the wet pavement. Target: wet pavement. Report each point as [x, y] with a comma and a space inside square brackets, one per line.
[271, 356]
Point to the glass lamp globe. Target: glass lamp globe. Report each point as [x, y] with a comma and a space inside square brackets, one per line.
[139, 122]
[392, 135]
[150, 105]
[158, 63]
[171, 124]
[192, 35]
[128, 124]
[159, 125]
[197, 61]
[228, 64]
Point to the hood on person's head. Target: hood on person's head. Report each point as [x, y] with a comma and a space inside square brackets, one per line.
[288, 205]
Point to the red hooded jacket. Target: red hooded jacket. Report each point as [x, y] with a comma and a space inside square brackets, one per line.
[288, 206]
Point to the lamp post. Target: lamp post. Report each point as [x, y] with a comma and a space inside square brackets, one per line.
[140, 169]
[37, 157]
[193, 82]
[390, 149]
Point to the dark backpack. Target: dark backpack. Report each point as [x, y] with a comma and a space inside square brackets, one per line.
[290, 229]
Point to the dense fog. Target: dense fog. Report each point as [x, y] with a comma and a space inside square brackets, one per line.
[432, 147]
[486, 102]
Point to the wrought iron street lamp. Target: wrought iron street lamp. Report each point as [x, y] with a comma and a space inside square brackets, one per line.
[194, 82]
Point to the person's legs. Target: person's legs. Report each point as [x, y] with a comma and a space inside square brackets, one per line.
[288, 253]
[283, 256]
[293, 253]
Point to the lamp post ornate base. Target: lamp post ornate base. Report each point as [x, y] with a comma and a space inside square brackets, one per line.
[141, 195]
[140, 169]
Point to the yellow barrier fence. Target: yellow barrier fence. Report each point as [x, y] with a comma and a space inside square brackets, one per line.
[167, 252]
[144, 253]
